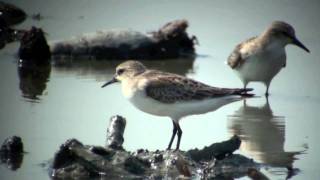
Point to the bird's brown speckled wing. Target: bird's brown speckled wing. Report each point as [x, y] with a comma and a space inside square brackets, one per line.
[236, 58]
[171, 88]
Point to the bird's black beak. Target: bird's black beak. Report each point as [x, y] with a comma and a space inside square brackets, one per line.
[113, 80]
[298, 43]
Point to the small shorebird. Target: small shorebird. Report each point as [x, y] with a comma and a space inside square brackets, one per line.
[261, 58]
[166, 94]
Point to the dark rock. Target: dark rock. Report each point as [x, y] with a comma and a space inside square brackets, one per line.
[234, 166]
[216, 150]
[4, 33]
[101, 151]
[11, 13]
[157, 158]
[7, 34]
[75, 160]
[140, 151]
[11, 152]
[135, 165]
[65, 156]
[115, 132]
[34, 47]
[12, 145]
[73, 171]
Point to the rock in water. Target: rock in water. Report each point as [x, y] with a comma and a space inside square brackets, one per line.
[34, 47]
[11, 152]
[12, 145]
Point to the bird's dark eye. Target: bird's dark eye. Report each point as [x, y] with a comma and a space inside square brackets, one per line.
[120, 71]
[284, 33]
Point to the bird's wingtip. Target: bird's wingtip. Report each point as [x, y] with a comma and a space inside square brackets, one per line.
[248, 89]
[244, 92]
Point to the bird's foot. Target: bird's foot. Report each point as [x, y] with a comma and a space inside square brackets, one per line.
[176, 150]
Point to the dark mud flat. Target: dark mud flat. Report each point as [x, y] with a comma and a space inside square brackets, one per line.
[75, 160]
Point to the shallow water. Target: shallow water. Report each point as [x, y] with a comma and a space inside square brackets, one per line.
[52, 104]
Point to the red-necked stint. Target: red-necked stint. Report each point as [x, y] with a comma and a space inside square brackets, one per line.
[261, 58]
[166, 94]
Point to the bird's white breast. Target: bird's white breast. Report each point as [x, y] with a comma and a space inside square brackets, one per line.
[262, 66]
[135, 93]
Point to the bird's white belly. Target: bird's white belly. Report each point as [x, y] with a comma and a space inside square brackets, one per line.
[180, 109]
[147, 104]
[260, 68]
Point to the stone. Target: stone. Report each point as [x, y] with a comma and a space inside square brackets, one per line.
[115, 132]
[34, 47]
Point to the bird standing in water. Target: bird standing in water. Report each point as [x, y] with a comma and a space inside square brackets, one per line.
[261, 58]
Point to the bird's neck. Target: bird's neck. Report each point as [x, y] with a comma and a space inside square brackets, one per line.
[131, 85]
[271, 43]
[127, 87]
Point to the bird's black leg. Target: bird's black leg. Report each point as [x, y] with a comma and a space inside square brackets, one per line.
[267, 89]
[179, 136]
[245, 87]
[174, 132]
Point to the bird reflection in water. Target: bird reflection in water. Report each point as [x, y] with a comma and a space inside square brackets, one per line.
[33, 79]
[263, 135]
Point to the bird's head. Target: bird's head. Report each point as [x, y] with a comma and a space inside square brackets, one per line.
[126, 71]
[285, 33]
